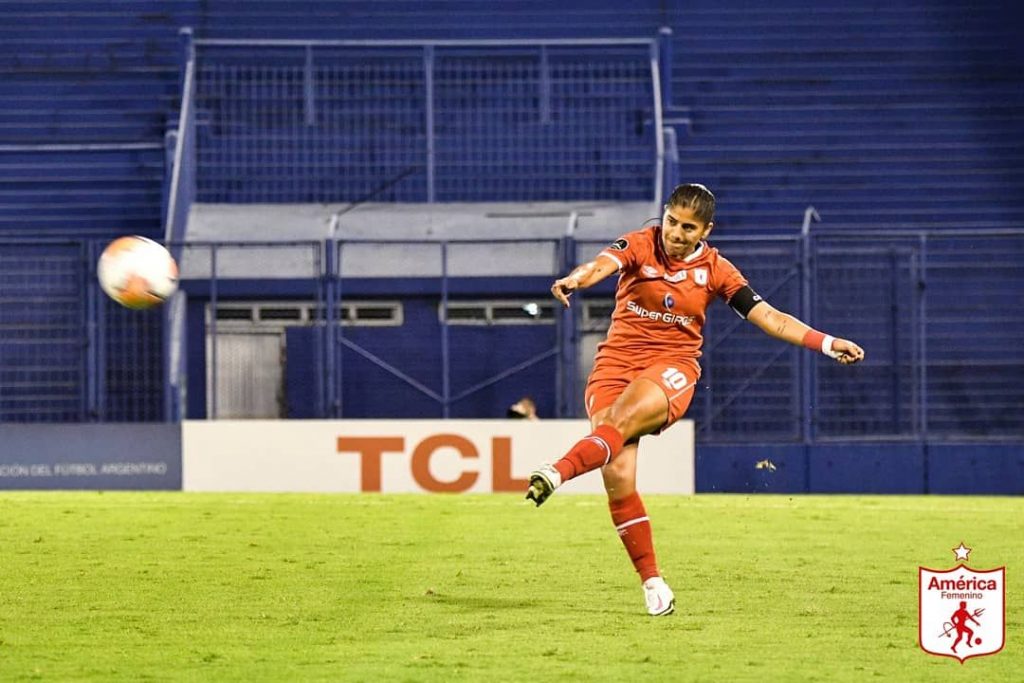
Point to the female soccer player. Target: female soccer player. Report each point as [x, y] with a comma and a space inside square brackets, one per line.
[646, 369]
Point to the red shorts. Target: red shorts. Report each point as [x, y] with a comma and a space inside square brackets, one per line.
[608, 379]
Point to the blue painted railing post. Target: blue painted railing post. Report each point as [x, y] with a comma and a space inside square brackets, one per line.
[175, 355]
[807, 360]
[91, 404]
[170, 148]
[180, 179]
[446, 391]
[922, 289]
[166, 359]
[212, 332]
[568, 318]
[331, 398]
[428, 75]
[894, 323]
[188, 51]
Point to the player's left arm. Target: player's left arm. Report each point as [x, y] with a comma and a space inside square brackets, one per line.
[776, 323]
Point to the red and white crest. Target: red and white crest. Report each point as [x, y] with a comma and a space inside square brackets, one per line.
[961, 611]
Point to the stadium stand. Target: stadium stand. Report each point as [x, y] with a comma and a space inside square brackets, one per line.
[898, 119]
[87, 88]
[902, 117]
[801, 103]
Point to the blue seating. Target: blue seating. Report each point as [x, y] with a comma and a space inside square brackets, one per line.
[901, 118]
[98, 193]
[917, 113]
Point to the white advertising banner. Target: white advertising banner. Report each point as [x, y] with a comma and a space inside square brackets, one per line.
[408, 456]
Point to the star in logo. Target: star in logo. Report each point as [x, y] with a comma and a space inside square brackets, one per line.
[962, 552]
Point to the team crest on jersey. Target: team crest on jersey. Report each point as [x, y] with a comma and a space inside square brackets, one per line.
[668, 301]
[700, 276]
[619, 244]
[961, 611]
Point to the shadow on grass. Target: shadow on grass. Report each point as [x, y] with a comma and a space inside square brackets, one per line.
[475, 603]
[492, 603]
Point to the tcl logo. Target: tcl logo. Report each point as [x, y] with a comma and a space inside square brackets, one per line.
[371, 449]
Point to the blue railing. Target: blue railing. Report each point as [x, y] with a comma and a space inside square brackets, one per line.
[425, 121]
[180, 143]
[944, 359]
[67, 352]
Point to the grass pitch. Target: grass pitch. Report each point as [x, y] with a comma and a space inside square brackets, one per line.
[147, 586]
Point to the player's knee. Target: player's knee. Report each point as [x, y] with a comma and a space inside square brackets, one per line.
[621, 418]
[616, 469]
[618, 479]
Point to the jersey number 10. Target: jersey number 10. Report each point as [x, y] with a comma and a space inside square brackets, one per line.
[673, 379]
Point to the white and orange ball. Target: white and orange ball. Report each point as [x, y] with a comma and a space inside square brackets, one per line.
[137, 272]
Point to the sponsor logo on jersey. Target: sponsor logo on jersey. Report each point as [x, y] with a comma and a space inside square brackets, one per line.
[676, 277]
[657, 316]
[619, 244]
[650, 271]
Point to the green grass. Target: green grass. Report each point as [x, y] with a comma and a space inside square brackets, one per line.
[145, 586]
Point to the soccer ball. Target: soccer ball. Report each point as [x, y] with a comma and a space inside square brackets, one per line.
[137, 272]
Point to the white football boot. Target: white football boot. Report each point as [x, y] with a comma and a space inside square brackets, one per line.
[543, 482]
[660, 599]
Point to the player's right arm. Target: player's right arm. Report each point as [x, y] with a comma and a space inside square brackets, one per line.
[583, 276]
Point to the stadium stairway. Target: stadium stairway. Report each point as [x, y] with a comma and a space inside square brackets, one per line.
[904, 117]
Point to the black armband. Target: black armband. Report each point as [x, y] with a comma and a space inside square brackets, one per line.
[744, 301]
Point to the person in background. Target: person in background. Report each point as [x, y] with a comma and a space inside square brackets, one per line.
[523, 409]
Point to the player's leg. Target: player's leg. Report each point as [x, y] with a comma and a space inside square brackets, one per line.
[634, 528]
[628, 512]
[654, 399]
[640, 409]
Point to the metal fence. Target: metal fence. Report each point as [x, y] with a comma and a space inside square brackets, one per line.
[425, 121]
[934, 312]
[931, 310]
[68, 353]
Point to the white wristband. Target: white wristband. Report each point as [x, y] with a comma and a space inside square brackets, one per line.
[826, 347]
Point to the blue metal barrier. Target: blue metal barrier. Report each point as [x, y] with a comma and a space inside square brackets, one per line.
[67, 352]
[471, 120]
[180, 188]
[944, 360]
[445, 396]
[942, 357]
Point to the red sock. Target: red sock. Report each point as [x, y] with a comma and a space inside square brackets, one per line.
[630, 519]
[591, 452]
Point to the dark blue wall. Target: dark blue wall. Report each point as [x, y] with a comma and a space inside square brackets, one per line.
[478, 353]
[904, 468]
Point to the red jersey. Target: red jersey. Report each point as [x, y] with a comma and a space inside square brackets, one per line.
[660, 302]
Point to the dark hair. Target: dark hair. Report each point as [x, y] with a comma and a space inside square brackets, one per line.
[696, 197]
